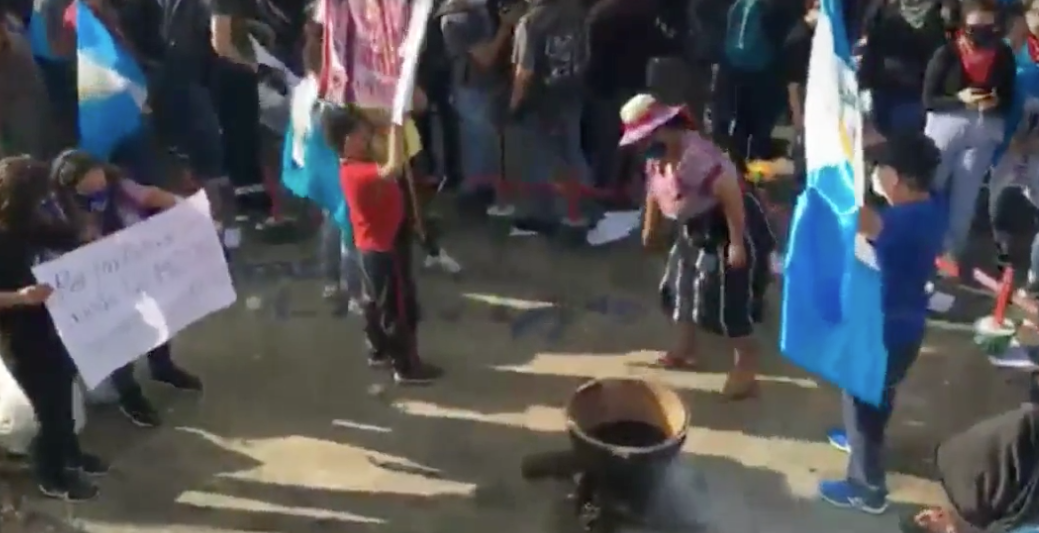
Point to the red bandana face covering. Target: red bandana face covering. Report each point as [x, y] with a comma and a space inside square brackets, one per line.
[976, 61]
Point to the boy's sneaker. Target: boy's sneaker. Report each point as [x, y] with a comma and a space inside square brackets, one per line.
[417, 374]
[138, 410]
[178, 378]
[444, 262]
[70, 488]
[88, 464]
[846, 495]
[838, 438]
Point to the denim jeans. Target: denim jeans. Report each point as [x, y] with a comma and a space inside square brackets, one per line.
[602, 118]
[866, 424]
[185, 119]
[237, 105]
[967, 141]
[479, 137]
[894, 113]
[338, 259]
[542, 150]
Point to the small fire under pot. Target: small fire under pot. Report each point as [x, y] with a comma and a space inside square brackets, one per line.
[624, 434]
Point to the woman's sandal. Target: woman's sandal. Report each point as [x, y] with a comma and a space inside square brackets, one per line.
[673, 362]
[740, 386]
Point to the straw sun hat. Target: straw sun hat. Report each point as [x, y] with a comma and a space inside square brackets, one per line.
[642, 115]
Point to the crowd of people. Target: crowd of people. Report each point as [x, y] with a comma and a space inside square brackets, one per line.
[528, 98]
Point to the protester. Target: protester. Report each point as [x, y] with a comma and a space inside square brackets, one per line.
[184, 114]
[990, 475]
[713, 281]
[235, 92]
[968, 89]
[24, 105]
[41, 364]
[382, 234]
[1016, 168]
[91, 194]
[900, 37]
[54, 45]
[749, 83]
[907, 236]
[550, 57]
[473, 48]
[797, 50]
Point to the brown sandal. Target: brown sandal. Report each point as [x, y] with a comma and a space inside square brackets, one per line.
[740, 385]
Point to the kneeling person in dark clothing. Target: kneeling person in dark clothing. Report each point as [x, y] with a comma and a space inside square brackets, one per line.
[382, 235]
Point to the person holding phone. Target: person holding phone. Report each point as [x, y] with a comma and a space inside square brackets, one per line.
[968, 89]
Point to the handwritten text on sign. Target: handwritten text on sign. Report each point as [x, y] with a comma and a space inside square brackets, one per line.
[117, 298]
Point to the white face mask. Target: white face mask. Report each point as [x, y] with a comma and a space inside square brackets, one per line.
[874, 179]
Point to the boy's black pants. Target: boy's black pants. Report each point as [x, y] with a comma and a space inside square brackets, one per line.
[391, 305]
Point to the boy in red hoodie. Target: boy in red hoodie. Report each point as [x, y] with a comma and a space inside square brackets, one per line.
[375, 196]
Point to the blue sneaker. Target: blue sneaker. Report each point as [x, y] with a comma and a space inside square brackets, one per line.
[845, 495]
[839, 439]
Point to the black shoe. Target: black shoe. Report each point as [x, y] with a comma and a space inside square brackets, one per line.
[88, 464]
[178, 379]
[139, 411]
[417, 374]
[70, 488]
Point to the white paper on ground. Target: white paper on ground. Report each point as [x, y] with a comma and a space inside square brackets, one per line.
[232, 237]
[613, 226]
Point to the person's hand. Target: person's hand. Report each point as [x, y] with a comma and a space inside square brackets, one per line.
[988, 101]
[737, 256]
[970, 96]
[34, 294]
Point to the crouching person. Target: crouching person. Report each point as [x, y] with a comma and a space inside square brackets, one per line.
[38, 359]
[96, 195]
[718, 269]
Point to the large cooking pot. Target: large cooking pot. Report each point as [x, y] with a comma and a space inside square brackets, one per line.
[625, 432]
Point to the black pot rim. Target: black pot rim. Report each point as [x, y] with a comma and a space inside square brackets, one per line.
[625, 451]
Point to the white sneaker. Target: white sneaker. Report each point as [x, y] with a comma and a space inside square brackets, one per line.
[501, 210]
[444, 262]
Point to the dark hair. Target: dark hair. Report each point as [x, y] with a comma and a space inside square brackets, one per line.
[23, 187]
[67, 170]
[983, 6]
[339, 123]
[916, 158]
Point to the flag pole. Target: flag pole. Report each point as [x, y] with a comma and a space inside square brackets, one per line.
[409, 178]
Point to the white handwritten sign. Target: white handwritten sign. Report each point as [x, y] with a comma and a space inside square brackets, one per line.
[117, 298]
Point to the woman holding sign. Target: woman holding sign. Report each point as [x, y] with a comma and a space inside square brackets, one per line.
[92, 194]
[38, 359]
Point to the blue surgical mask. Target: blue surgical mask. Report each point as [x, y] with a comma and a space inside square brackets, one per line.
[95, 201]
[655, 150]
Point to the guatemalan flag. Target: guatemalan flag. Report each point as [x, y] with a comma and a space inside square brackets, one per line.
[832, 323]
[112, 87]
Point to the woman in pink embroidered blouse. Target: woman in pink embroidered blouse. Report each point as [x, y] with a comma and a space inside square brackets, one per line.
[712, 282]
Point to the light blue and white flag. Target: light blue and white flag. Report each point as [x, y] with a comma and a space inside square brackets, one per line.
[111, 85]
[832, 323]
[309, 167]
